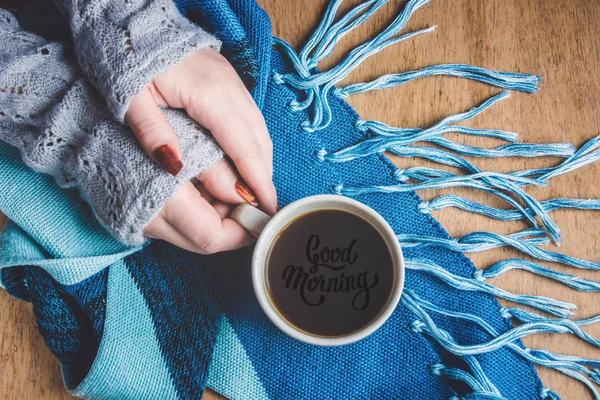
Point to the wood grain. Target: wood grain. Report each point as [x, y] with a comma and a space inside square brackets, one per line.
[555, 38]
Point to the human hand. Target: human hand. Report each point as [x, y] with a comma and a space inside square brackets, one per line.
[210, 91]
[196, 217]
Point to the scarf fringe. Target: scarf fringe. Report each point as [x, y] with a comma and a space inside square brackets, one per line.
[318, 86]
[574, 367]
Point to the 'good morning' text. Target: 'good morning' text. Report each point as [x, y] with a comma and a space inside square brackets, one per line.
[313, 288]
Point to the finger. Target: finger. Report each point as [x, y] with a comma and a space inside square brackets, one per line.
[198, 221]
[259, 180]
[264, 138]
[223, 209]
[218, 81]
[153, 131]
[159, 228]
[223, 182]
[154, 229]
[238, 127]
[203, 191]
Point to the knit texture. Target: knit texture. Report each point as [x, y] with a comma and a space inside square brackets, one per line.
[162, 304]
[122, 45]
[161, 323]
[61, 126]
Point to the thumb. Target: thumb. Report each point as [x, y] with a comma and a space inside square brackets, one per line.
[223, 182]
[153, 131]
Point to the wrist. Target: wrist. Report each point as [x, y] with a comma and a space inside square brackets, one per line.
[122, 53]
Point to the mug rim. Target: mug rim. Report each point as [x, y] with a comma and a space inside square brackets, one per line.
[280, 221]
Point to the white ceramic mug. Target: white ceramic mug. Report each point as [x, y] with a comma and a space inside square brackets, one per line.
[266, 229]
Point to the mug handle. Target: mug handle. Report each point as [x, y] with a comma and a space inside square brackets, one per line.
[250, 218]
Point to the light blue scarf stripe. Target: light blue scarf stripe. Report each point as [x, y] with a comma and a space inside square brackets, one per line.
[129, 332]
[231, 372]
[72, 247]
[18, 248]
[56, 229]
[129, 364]
[48, 213]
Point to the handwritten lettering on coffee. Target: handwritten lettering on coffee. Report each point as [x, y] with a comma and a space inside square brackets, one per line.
[313, 286]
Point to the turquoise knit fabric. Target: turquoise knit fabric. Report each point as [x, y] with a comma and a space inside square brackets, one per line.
[163, 323]
[63, 127]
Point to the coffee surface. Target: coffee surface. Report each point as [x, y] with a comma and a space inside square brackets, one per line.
[329, 273]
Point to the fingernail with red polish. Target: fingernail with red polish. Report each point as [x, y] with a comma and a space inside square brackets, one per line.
[168, 159]
[243, 190]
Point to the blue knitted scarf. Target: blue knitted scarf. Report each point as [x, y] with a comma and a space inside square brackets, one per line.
[162, 323]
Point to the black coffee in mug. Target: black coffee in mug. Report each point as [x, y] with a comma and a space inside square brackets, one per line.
[329, 273]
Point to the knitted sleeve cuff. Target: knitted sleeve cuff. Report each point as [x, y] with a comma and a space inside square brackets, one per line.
[61, 127]
[122, 46]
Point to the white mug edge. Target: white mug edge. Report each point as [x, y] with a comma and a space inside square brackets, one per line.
[278, 222]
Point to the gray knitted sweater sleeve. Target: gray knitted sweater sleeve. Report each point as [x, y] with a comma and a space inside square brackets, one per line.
[122, 45]
[62, 127]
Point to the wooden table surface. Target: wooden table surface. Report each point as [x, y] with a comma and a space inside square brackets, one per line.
[555, 38]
